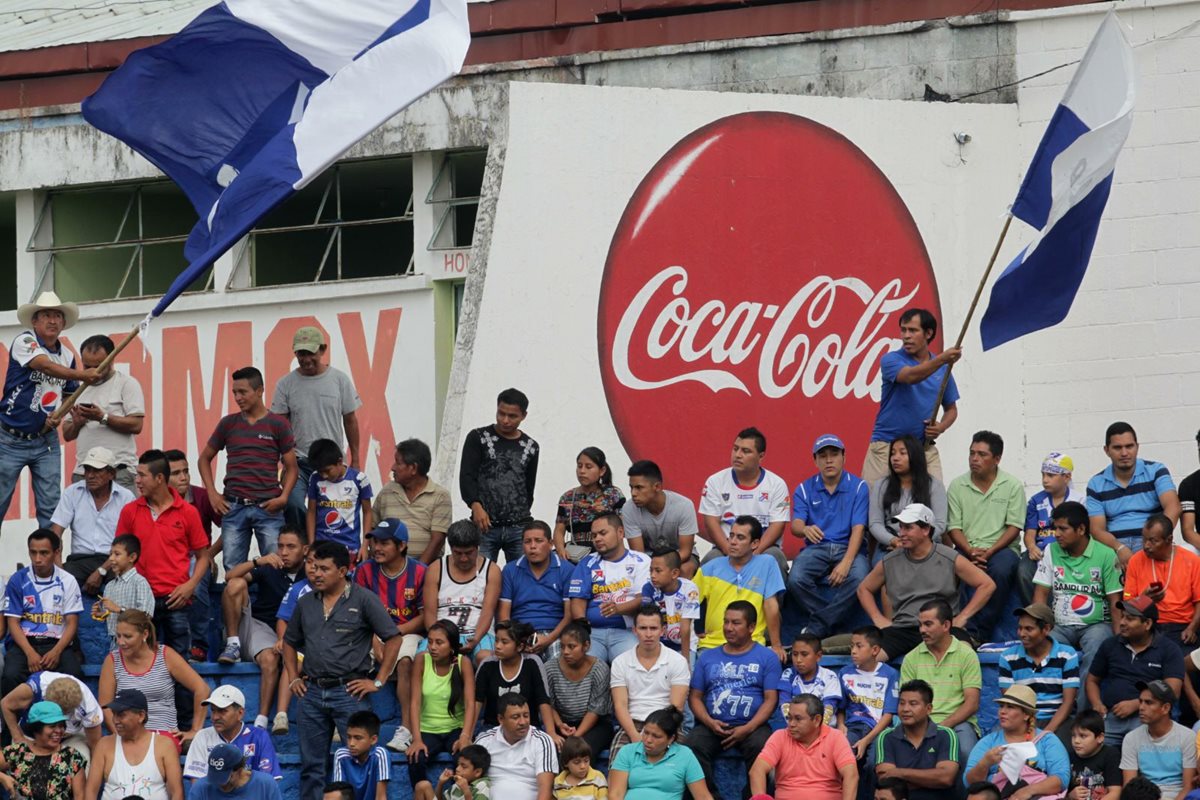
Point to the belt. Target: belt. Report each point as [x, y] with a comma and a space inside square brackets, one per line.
[328, 683]
[28, 437]
[243, 501]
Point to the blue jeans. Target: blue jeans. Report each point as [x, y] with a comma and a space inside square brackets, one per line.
[1087, 640]
[1115, 728]
[506, 538]
[239, 523]
[318, 712]
[43, 456]
[608, 643]
[810, 572]
[296, 510]
[1133, 542]
[200, 610]
[1001, 568]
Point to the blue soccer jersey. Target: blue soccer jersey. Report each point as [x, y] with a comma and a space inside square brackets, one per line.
[30, 395]
[362, 775]
[42, 604]
[869, 695]
[339, 507]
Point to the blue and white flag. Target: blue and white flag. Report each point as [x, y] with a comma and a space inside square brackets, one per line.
[1065, 192]
[255, 98]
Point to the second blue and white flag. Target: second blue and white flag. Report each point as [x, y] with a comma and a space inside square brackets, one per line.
[255, 98]
[1065, 192]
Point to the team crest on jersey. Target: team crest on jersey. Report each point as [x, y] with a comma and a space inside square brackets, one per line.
[248, 749]
[1095, 573]
[1059, 572]
[764, 497]
[30, 600]
[725, 496]
[409, 594]
[598, 575]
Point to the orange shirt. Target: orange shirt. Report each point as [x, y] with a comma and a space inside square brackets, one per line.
[808, 773]
[1180, 580]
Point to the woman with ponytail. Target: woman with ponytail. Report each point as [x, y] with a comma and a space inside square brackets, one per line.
[442, 705]
[513, 670]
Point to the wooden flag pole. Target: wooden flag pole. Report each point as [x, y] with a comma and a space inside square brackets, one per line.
[62, 410]
[962, 334]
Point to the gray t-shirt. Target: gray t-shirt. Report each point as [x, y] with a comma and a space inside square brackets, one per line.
[315, 405]
[661, 532]
[910, 584]
[1161, 760]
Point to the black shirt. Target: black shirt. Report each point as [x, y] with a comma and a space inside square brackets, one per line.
[1101, 769]
[500, 474]
[940, 744]
[490, 684]
[272, 586]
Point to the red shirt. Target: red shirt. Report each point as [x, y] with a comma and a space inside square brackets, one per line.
[400, 595]
[167, 542]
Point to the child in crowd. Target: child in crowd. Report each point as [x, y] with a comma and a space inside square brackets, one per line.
[891, 789]
[870, 691]
[362, 763]
[1095, 767]
[579, 781]
[339, 499]
[807, 676]
[678, 598]
[467, 781]
[127, 589]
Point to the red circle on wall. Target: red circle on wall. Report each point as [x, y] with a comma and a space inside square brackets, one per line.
[756, 277]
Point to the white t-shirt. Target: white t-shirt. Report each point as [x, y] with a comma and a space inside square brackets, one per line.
[515, 767]
[649, 689]
[768, 501]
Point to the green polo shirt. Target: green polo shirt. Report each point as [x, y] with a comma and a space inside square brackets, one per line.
[957, 671]
[983, 517]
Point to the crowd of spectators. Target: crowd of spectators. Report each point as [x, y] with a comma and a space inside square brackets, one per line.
[608, 628]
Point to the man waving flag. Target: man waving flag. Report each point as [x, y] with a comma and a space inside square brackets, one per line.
[255, 98]
[1065, 192]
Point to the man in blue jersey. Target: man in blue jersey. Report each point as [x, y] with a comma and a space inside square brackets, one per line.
[1122, 496]
[42, 606]
[40, 372]
[230, 774]
[912, 377]
[607, 588]
[227, 706]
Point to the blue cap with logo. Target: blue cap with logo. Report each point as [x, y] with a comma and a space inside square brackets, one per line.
[223, 761]
[390, 528]
[828, 440]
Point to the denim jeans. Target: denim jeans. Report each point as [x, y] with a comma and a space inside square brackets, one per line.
[810, 571]
[43, 456]
[506, 538]
[1087, 640]
[608, 643]
[239, 523]
[1115, 728]
[1002, 569]
[319, 712]
[296, 510]
[200, 610]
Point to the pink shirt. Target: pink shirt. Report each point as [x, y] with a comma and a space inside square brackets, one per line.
[811, 773]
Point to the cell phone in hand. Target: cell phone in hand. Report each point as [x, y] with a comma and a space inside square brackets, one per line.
[1156, 587]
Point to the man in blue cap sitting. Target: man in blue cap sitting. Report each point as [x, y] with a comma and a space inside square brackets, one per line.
[229, 777]
[829, 511]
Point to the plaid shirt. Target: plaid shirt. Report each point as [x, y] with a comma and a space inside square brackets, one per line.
[128, 591]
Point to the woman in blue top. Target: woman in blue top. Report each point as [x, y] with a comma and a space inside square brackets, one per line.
[1018, 725]
[656, 768]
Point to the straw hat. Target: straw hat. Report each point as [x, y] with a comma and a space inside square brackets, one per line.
[48, 300]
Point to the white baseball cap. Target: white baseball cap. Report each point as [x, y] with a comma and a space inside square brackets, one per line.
[915, 512]
[225, 696]
[99, 458]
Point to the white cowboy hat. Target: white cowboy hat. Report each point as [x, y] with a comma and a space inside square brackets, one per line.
[44, 301]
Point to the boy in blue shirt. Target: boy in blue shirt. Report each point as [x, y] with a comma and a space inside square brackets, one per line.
[807, 676]
[339, 499]
[870, 691]
[678, 599]
[362, 763]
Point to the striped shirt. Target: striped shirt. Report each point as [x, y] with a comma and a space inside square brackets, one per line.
[365, 775]
[573, 699]
[1128, 507]
[400, 593]
[950, 678]
[515, 767]
[253, 451]
[156, 684]
[128, 590]
[1059, 670]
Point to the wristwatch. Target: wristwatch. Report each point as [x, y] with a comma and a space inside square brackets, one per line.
[378, 684]
[104, 419]
[103, 572]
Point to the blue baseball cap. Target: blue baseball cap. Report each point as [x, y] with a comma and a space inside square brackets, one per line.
[828, 440]
[126, 700]
[223, 761]
[46, 713]
[390, 528]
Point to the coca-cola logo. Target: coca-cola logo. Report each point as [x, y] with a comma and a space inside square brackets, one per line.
[755, 278]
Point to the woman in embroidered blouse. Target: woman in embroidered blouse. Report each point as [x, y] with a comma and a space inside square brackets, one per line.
[40, 768]
[594, 497]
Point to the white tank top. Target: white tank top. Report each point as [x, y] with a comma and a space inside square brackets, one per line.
[144, 779]
[462, 603]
